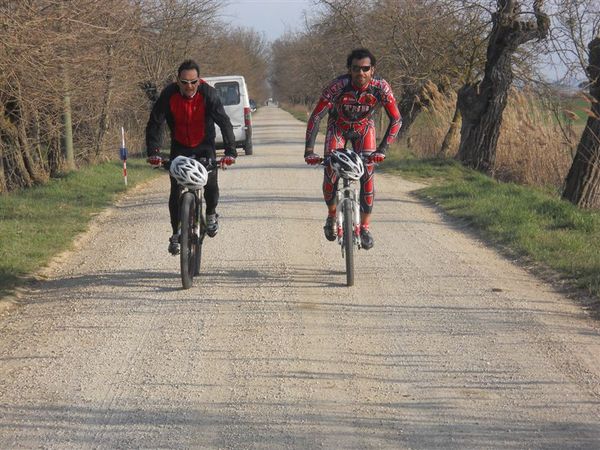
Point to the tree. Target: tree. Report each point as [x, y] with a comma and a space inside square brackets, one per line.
[576, 44]
[482, 103]
[416, 42]
[240, 51]
[582, 186]
[87, 59]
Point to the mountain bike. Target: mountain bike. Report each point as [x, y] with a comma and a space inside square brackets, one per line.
[192, 223]
[348, 211]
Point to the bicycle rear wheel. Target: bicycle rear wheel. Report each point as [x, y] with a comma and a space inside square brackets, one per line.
[348, 241]
[188, 247]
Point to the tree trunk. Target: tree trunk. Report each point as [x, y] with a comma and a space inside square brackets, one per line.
[69, 153]
[29, 162]
[19, 175]
[482, 104]
[409, 107]
[452, 130]
[108, 91]
[21, 116]
[37, 142]
[3, 184]
[582, 185]
[16, 172]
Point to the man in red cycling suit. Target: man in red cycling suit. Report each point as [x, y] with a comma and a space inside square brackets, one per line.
[351, 101]
[191, 108]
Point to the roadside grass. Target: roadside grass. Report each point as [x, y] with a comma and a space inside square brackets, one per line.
[38, 223]
[299, 112]
[524, 221]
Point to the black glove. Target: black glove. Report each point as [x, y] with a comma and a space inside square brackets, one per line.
[231, 152]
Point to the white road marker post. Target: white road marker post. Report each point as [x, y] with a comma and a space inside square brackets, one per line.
[123, 155]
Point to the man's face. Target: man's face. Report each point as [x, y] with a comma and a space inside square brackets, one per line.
[188, 82]
[361, 71]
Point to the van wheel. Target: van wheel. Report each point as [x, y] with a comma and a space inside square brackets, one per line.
[248, 147]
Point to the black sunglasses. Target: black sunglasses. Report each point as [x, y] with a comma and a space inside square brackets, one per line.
[361, 68]
[189, 81]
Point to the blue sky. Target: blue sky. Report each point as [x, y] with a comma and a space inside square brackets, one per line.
[269, 17]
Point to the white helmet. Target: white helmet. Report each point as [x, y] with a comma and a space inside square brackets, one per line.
[188, 172]
[347, 164]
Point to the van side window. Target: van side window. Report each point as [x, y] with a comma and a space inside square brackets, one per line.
[229, 93]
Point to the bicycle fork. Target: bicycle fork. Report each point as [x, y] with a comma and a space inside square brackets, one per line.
[347, 197]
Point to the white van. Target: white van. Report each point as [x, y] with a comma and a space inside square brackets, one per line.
[234, 96]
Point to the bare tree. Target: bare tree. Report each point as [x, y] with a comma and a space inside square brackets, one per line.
[173, 30]
[239, 51]
[576, 43]
[99, 53]
[481, 104]
[416, 42]
[582, 186]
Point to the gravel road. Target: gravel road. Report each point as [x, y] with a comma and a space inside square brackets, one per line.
[441, 344]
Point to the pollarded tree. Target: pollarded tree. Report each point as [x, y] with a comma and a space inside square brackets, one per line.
[482, 103]
[576, 43]
[583, 181]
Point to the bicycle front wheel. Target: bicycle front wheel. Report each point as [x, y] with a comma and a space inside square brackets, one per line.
[199, 239]
[348, 242]
[188, 245]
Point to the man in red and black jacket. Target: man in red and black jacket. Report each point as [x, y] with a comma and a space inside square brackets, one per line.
[191, 108]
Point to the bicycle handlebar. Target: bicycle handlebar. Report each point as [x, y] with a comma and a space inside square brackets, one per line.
[209, 163]
[323, 161]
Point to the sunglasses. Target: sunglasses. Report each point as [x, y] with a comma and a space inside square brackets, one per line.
[361, 68]
[189, 81]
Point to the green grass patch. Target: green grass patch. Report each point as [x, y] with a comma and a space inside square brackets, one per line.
[38, 223]
[579, 106]
[401, 162]
[528, 222]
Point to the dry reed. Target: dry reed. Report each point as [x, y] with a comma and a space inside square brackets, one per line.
[534, 148]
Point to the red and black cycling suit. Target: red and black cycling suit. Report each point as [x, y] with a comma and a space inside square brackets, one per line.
[191, 123]
[351, 110]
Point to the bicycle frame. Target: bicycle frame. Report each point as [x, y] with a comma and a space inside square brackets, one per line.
[347, 196]
[347, 218]
[348, 222]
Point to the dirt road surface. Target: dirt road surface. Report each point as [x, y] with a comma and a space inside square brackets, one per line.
[441, 344]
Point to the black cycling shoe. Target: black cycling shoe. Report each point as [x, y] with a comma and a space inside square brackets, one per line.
[174, 245]
[329, 228]
[212, 225]
[366, 239]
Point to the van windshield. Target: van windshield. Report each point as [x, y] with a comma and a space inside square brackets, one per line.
[229, 92]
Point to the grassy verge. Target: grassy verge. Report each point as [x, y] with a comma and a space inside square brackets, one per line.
[38, 223]
[298, 111]
[530, 223]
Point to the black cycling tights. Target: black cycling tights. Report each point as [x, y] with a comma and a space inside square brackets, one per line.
[211, 196]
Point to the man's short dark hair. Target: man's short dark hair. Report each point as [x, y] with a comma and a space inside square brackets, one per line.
[188, 64]
[360, 53]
